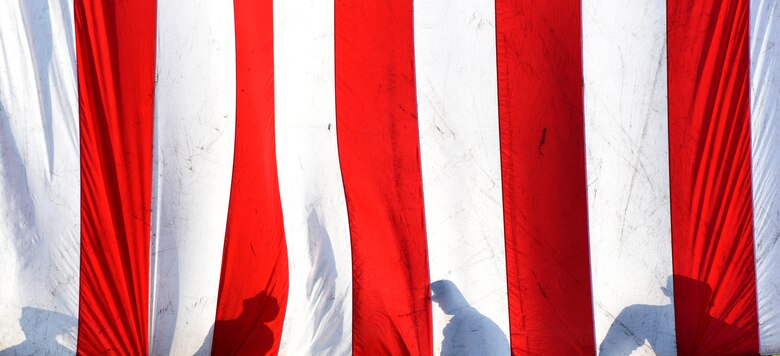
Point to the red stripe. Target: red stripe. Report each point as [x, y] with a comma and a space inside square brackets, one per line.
[115, 44]
[709, 154]
[543, 175]
[254, 279]
[380, 160]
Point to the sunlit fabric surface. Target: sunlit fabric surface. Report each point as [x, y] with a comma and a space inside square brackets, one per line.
[470, 177]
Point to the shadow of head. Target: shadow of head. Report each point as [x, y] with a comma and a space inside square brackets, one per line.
[447, 296]
[714, 331]
[695, 293]
[468, 332]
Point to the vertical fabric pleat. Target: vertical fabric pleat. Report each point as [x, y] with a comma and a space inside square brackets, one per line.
[540, 101]
[319, 308]
[710, 174]
[765, 157]
[116, 52]
[376, 119]
[626, 136]
[253, 285]
[455, 56]
[39, 178]
[194, 137]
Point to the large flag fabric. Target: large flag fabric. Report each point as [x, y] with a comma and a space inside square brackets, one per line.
[390, 177]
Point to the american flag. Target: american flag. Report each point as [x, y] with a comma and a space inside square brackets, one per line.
[390, 177]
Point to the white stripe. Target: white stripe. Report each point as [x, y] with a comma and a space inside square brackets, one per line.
[193, 160]
[39, 177]
[455, 54]
[319, 308]
[765, 133]
[624, 54]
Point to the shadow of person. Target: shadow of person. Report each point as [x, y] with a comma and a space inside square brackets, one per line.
[710, 335]
[655, 324]
[248, 333]
[41, 328]
[640, 323]
[468, 332]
